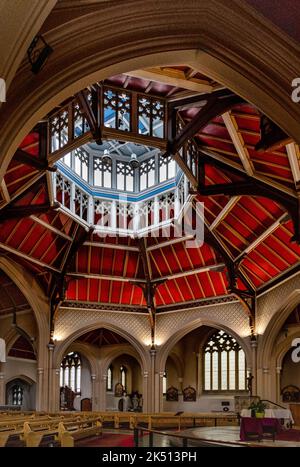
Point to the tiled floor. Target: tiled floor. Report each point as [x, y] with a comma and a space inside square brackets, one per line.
[230, 434]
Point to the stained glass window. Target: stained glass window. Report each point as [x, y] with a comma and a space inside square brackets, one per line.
[70, 371]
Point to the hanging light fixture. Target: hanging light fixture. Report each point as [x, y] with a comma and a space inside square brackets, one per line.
[106, 157]
[134, 163]
[38, 53]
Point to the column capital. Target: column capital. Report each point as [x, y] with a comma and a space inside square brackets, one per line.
[266, 371]
[253, 344]
[93, 377]
[1, 375]
[51, 346]
[278, 369]
[146, 374]
[40, 371]
[57, 371]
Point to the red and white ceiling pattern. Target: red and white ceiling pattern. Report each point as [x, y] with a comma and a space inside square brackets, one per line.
[254, 229]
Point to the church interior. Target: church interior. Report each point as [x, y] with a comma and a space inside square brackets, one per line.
[149, 223]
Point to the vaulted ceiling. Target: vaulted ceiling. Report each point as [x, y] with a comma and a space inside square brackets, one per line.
[251, 230]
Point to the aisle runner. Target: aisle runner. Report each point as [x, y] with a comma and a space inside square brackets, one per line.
[108, 440]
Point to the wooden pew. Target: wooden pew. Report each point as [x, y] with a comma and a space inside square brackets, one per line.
[68, 432]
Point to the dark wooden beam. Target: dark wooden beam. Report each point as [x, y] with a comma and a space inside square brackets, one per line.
[25, 158]
[148, 287]
[18, 212]
[271, 136]
[89, 114]
[251, 186]
[210, 110]
[59, 282]
[197, 100]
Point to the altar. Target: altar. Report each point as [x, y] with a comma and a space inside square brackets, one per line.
[253, 428]
[279, 413]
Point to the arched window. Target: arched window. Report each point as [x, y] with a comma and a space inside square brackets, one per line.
[224, 364]
[123, 372]
[70, 371]
[109, 382]
[17, 395]
[164, 382]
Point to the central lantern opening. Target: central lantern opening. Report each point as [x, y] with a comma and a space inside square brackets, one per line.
[121, 186]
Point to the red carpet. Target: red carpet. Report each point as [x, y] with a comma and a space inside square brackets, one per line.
[289, 435]
[108, 440]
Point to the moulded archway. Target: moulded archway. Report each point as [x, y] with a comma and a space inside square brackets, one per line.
[127, 357]
[100, 384]
[33, 294]
[28, 386]
[266, 344]
[172, 341]
[208, 35]
[64, 345]
[166, 349]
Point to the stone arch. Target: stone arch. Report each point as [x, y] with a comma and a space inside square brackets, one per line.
[169, 344]
[265, 347]
[25, 378]
[208, 35]
[61, 348]
[29, 389]
[33, 294]
[115, 353]
[86, 353]
[178, 363]
[11, 337]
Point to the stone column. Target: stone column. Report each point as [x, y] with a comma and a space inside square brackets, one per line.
[278, 381]
[145, 391]
[56, 386]
[39, 389]
[51, 379]
[265, 387]
[94, 397]
[2, 384]
[253, 344]
[102, 393]
[180, 384]
[154, 400]
[160, 406]
[199, 385]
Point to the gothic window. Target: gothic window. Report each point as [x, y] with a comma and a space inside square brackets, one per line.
[125, 176]
[123, 378]
[164, 381]
[151, 113]
[147, 173]
[102, 173]
[81, 163]
[224, 364]
[70, 371]
[109, 382]
[17, 394]
[167, 168]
